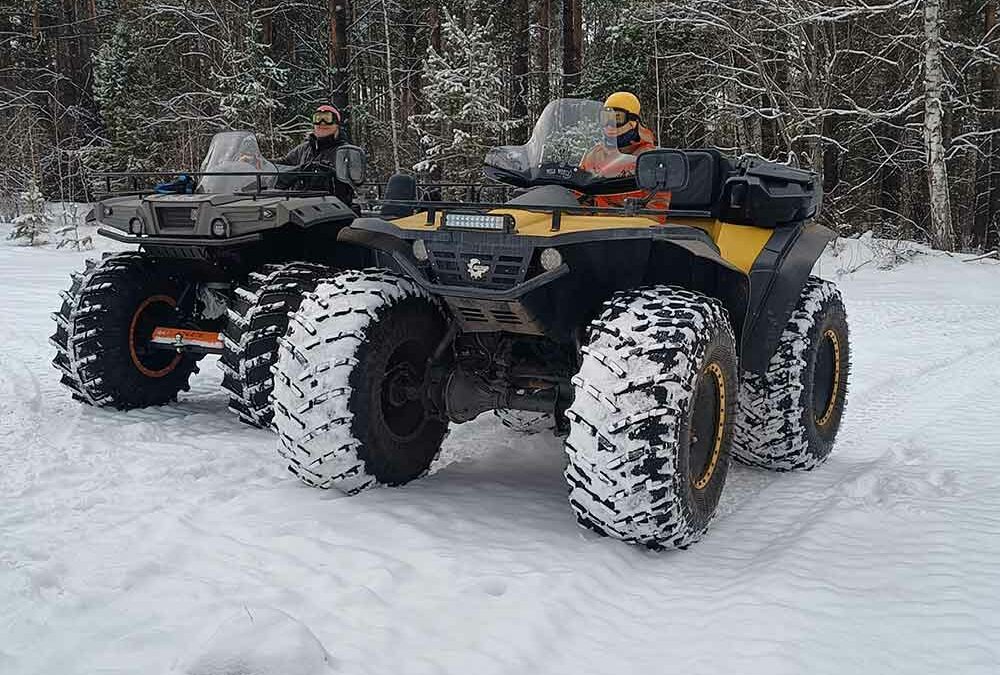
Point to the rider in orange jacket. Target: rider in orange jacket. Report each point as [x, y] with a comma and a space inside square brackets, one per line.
[625, 138]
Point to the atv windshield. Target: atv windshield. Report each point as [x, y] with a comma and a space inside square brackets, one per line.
[234, 152]
[567, 147]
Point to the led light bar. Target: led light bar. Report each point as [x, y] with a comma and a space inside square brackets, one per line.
[476, 221]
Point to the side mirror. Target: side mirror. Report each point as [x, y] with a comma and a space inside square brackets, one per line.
[662, 170]
[351, 165]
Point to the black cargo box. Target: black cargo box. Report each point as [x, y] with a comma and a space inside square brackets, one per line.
[767, 194]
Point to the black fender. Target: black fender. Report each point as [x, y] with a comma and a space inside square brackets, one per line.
[321, 212]
[776, 281]
[376, 240]
[695, 263]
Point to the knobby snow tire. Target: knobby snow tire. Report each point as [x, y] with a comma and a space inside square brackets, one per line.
[256, 318]
[630, 469]
[329, 375]
[778, 428]
[92, 337]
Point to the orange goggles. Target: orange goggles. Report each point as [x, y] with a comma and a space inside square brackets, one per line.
[325, 117]
[614, 117]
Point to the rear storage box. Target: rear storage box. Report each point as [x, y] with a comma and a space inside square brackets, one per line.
[766, 194]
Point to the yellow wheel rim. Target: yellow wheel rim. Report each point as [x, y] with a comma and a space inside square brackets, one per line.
[827, 415]
[714, 370]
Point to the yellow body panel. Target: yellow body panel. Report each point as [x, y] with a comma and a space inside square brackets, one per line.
[739, 244]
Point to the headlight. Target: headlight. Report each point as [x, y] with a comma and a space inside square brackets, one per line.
[551, 259]
[219, 228]
[420, 250]
[108, 210]
[267, 214]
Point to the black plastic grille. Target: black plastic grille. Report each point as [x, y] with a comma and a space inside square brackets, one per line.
[176, 217]
[506, 317]
[479, 268]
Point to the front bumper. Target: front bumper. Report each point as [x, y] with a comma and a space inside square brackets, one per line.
[147, 240]
[488, 309]
[479, 293]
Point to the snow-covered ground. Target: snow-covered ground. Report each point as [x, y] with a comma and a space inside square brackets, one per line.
[171, 540]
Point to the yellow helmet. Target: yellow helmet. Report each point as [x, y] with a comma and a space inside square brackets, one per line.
[623, 100]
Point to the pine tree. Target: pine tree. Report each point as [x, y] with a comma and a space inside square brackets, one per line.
[69, 231]
[33, 224]
[245, 79]
[129, 75]
[464, 93]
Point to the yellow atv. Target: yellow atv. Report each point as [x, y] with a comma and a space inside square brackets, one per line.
[660, 342]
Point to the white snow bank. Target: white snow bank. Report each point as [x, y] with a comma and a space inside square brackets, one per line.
[259, 641]
[64, 215]
[844, 257]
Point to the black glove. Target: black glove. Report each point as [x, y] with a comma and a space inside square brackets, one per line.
[321, 180]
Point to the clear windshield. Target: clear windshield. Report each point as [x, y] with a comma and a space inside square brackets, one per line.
[234, 152]
[567, 147]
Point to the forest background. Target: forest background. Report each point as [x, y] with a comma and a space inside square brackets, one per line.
[894, 103]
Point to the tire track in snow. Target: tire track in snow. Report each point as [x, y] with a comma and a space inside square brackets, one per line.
[873, 406]
[804, 545]
[872, 431]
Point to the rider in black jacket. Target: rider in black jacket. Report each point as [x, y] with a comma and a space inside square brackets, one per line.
[320, 147]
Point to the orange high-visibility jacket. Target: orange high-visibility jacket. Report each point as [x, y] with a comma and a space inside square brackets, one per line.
[614, 162]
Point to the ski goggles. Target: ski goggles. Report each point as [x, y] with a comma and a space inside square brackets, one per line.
[614, 117]
[325, 117]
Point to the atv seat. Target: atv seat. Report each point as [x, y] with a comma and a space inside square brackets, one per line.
[546, 195]
[403, 188]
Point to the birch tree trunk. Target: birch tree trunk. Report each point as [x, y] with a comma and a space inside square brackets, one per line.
[519, 66]
[390, 89]
[942, 233]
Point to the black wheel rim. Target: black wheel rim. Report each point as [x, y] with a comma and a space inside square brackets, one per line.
[402, 391]
[826, 378]
[708, 419]
[156, 310]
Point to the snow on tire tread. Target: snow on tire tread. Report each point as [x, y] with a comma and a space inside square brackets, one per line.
[770, 433]
[257, 318]
[642, 337]
[312, 376]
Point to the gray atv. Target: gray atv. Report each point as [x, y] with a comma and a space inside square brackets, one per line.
[220, 258]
